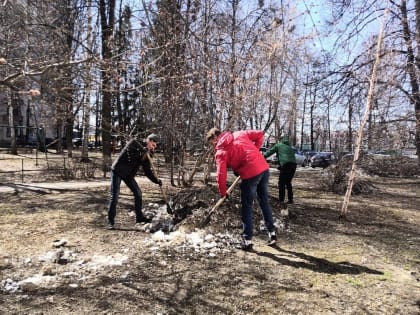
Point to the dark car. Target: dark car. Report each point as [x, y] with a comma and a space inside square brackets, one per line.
[77, 142]
[322, 159]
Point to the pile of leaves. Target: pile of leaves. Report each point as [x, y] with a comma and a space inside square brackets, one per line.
[389, 166]
[337, 176]
[192, 206]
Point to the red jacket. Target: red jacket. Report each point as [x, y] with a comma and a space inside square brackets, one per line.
[239, 151]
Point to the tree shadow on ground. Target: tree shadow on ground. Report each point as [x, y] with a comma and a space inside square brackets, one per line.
[317, 264]
[37, 189]
[371, 223]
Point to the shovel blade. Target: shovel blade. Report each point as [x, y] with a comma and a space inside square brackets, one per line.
[169, 209]
[205, 220]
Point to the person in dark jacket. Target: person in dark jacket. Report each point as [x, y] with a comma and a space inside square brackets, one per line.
[125, 168]
[287, 166]
[240, 151]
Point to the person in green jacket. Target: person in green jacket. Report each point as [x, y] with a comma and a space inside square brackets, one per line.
[287, 166]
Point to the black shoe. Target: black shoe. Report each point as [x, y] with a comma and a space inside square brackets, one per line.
[144, 220]
[246, 245]
[272, 238]
[290, 202]
[110, 226]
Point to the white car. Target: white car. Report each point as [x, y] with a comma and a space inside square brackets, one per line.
[301, 159]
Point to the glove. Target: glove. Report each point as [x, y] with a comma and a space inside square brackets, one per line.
[236, 173]
[160, 183]
[226, 196]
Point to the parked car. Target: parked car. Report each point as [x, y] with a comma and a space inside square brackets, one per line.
[322, 159]
[301, 159]
[77, 142]
[272, 159]
[309, 154]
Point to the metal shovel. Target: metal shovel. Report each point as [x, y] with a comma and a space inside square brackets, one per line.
[169, 209]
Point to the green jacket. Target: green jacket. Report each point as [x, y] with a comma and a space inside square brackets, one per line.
[285, 153]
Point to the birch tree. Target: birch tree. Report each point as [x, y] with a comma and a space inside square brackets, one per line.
[400, 72]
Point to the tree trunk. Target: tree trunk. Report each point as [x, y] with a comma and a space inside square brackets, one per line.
[350, 126]
[232, 111]
[293, 115]
[302, 127]
[417, 99]
[370, 96]
[13, 146]
[411, 66]
[107, 11]
[88, 82]
[312, 109]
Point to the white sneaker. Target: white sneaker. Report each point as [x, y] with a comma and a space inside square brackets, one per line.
[246, 245]
[272, 238]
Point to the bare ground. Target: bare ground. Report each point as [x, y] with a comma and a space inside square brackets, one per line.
[57, 258]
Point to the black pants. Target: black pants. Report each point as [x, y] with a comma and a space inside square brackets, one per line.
[287, 172]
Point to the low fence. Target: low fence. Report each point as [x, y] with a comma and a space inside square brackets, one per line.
[46, 167]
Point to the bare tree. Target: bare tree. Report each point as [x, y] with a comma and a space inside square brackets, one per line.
[401, 66]
[107, 18]
[34, 59]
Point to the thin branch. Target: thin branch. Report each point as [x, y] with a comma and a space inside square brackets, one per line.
[9, 79]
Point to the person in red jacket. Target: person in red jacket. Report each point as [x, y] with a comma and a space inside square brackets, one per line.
[240, 152]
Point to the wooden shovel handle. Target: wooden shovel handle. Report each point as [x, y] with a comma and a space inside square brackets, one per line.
[221, 200]
[164, 194]
[206, 219]
[151, 164]
[154, 172]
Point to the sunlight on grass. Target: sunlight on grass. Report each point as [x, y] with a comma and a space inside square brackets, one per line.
[355, 282]
[387, 276]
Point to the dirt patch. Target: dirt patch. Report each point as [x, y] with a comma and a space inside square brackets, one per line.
[56, 257]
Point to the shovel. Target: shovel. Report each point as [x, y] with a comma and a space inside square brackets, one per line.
[207, 218]
[169, 209]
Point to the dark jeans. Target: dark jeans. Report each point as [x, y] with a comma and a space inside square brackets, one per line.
[249, 187]
[115, 192]
[287, 172]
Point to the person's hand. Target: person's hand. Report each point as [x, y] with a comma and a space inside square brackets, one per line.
[236, 173]
[160, 183]
[226, 196]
